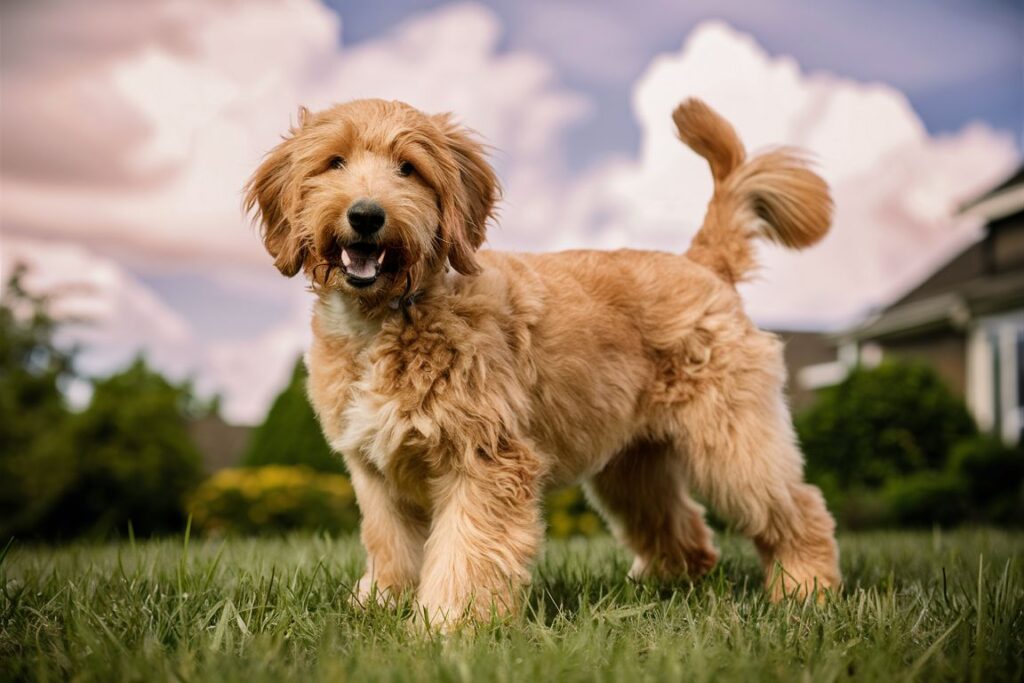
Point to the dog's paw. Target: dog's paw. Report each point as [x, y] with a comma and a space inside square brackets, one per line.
[466, 614]
[799, 582]
[700, 561]
[691, 563]
[368, 592]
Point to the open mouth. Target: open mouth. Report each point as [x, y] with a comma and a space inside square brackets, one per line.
[361, 263]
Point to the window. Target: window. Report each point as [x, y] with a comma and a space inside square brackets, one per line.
[995, 381]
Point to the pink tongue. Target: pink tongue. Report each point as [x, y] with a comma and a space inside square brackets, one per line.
[362, 267]
[360, 264]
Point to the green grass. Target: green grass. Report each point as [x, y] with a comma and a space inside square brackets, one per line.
[918, 606]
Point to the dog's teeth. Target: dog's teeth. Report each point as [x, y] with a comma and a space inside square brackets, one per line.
[346, 260]
[380, 259]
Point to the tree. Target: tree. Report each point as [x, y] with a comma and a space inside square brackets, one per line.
[132, 459]
[291, 434]
[32, 407]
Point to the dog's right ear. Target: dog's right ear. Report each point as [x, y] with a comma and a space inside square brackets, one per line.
[468, 198]
[272, 193]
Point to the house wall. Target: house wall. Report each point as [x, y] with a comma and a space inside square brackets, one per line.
[1007, 243]
[221, 444]
[803, 349]
[944, 351]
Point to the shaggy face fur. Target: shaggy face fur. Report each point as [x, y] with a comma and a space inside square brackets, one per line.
[459, 384]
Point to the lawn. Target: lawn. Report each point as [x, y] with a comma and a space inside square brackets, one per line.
[921, 606]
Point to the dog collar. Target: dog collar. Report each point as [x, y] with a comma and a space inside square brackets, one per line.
[405, 301]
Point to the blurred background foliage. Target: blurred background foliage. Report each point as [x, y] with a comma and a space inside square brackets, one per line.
[890, 446]
[893, 446]
[290, 435]
[273, 499]
[126, 456]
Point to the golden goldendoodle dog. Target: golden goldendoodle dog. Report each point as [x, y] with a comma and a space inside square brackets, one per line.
[460, 384]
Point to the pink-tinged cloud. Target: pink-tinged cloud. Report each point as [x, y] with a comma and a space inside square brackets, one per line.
[191, 103]
[146, 151]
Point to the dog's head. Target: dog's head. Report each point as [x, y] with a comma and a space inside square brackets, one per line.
[370, 197]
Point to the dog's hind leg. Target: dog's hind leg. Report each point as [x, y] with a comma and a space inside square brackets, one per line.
[743, 459]
[642, 495]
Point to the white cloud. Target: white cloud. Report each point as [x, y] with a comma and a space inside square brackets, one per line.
[250, 374]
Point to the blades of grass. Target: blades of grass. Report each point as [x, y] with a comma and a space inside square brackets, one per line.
[212, 569]
[182, 573]
[265, 598]
[183, 560]
[920, 662]
[312, 578]
[979, 652]
[6, 550]
[241, 624]
[222, 626]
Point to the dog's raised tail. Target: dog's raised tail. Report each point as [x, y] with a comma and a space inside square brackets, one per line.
[772, 195]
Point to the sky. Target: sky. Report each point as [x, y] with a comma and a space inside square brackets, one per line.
[128, 129]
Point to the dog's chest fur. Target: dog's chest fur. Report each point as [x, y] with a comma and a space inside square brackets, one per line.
[403, 398]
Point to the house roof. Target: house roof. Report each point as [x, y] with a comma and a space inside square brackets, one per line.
[962, 268]
[951, 309]
[966, 286]
[1003, 200]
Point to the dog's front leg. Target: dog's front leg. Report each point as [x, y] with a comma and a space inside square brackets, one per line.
[393, 534]
[485, 533]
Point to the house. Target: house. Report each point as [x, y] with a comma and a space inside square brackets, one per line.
[220, 444]
[966, 319]
[804, 349]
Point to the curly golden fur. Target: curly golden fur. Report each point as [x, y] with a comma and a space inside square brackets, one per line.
[459, 384]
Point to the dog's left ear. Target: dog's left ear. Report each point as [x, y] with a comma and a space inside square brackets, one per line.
[466, 210]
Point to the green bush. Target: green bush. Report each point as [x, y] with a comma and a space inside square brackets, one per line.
[568, 514]
[273, 499]
[291, 435]
[859, 507]
[879, 424]
[992, 475]
[925, 499]
[129, 458]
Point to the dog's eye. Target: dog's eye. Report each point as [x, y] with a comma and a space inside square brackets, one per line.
[406, 169]
[337, 162]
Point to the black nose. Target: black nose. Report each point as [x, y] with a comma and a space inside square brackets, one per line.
[366, 216]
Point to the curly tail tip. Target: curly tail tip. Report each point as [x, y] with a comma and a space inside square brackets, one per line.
[774, 195]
